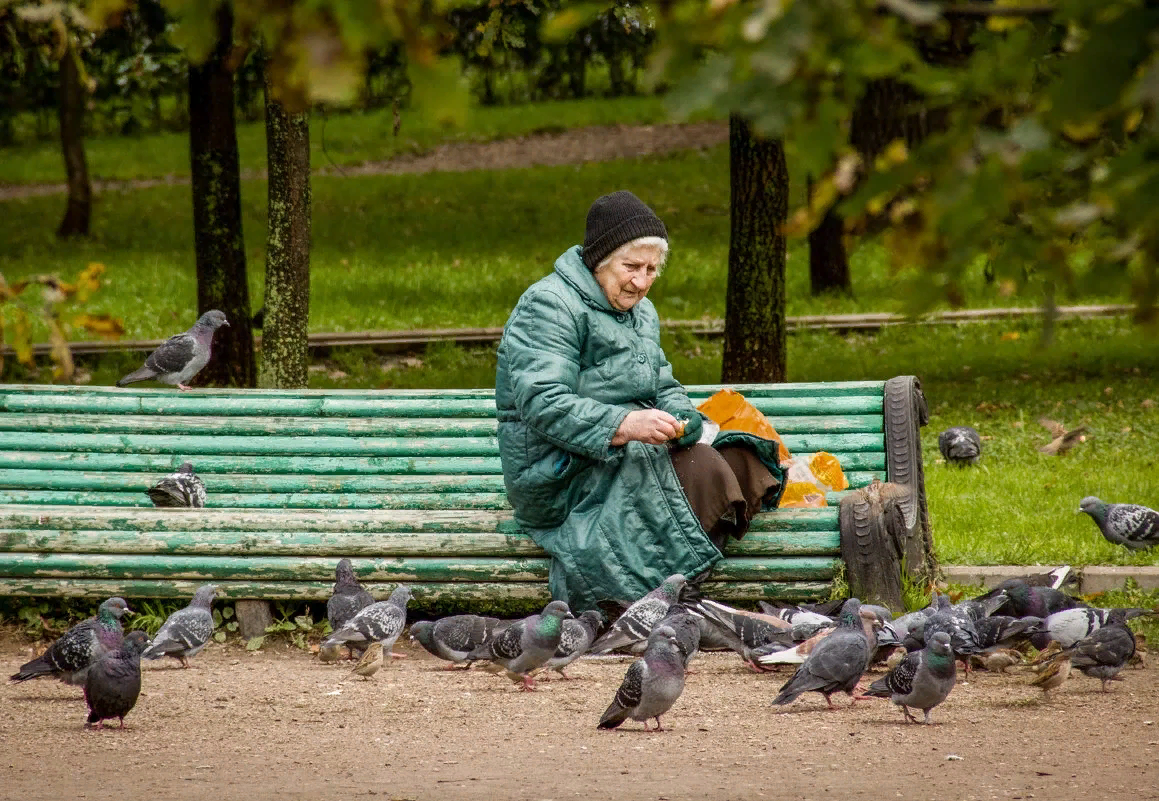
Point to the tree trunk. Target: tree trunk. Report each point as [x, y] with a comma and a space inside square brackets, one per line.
[72, 112]
[828, 262]
[754, 322]
[217, 235]
[285, 355]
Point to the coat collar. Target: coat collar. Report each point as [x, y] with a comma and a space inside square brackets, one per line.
[571, 268]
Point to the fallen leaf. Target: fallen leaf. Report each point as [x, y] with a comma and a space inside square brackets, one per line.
[1011, 336]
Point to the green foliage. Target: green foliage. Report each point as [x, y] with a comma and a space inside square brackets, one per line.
[149, 616]
[293, 622]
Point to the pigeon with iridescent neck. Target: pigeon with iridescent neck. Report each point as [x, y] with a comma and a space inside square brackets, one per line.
[578, 634]
[1127, 524]
[922, 680]
[652, 684]
[180, 357]
[454, 638]
[113, 683]
[71, 656]
[526, 645]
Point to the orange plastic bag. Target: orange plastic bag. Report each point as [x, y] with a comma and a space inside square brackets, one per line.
[729, 409]
[828, 471]
[801, 494]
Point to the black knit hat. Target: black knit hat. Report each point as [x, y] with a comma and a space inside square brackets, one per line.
[614, 220]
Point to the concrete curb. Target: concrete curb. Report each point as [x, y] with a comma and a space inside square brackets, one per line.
[1092, 579]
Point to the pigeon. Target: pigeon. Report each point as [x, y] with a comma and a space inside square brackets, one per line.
[638, 619]
[922, 680]
[1063, 440]
[835, 663]
[380, 622]
[454, 638]
[186, 631]
[183, 489]
[1129, 524]
[1052, 675]
[370, 662]
[348, 597]
[180, 357]
[1026, 600]
[113, 683]
[687, 629]
[871, 624]
[525, 645]
[577, 637]
[960, 445]
[652, 684]
[1103, 654]
[795, 615]
[1071, 625]
[71, 656]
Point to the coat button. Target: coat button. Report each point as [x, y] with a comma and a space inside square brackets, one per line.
[621, 317]
[641, 358]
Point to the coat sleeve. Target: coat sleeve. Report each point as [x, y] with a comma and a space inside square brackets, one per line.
[543, 365]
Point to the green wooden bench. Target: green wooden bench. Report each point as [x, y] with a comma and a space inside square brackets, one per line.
[406, 483]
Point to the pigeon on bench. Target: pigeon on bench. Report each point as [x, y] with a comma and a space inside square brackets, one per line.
[182, 489]
[180, 357]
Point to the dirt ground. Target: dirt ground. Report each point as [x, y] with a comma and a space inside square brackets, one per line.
[279, 724]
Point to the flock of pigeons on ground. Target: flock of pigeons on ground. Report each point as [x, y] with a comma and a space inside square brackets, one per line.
[831, 645]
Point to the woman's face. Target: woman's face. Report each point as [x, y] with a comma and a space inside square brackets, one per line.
[627, 278]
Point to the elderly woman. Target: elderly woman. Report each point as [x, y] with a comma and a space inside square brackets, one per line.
[599, 441]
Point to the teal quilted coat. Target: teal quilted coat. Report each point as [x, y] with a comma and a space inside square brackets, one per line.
[614, 519]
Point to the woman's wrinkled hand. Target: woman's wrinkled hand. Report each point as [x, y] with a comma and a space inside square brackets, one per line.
[651, 426]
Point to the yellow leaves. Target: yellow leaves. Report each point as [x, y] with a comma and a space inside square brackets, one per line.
[823, 194]
[1011, 336]
[999, 23]
[89, 280]
[1079, 132]
[895, 153]
[103, 325]
[1133, 119]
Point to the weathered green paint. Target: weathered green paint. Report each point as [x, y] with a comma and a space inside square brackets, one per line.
[298, 500]
[233, 482]
[254, 465]
[512, 544]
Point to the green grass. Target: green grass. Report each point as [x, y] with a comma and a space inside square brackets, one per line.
[334, 139]
[436, 250]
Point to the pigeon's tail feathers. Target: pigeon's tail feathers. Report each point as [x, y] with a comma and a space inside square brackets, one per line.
[167, 495]
[613, 716]
[801, 682]
[141, 374]
[34, 669]
[880, 688]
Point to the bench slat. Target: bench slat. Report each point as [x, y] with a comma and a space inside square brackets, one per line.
[357, 544]
[236, 482]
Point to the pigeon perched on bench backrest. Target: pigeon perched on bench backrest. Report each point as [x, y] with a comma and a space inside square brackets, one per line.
[1129, 524]
[186, 631]
[380, 622]
[454, 638]
[71, 656]
[652, 684]
[638, 619]
[525, 645]
[960, 445]
[182, 489]
[113, 683]
[180, 357]
[922, 680]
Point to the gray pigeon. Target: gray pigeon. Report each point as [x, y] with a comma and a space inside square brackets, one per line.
[651, 685]
[960, 445]
[180, 357]
[71, 656]
[182, 489]
[113, 682]
[687, 629]
[638, 619]
[835, 663]
[1001, 631]
[526, 645]
[577, 637]
[348, 597]
[1129, 524]
[186, 631]
[454, 638]
[922, 680]
[1103, 654]
[1071, 625]
[380, 622]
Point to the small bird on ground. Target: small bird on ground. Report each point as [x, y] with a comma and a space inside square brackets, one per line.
[1064, 439]
[347, 599]
[380, 622]
[578, 635]
[183, 489]
[960, 445]
[999, 660]
[1103, 654]
[70, 657]
[835, 664]
[454, 638]
[186, 631]
[182, 356]
[1052, 674]
[1139, 658]
[637, 622]
[922, 680]
[1129, 524]
[113, 683]
[370, 662]
[652, 684]
[329, 654]
[525, 645]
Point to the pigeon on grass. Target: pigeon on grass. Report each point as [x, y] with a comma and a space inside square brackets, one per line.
[1128, 524]
[652, 684]
[380, 622]
[113, 683]
[526, 645]
[454, 638]
[70, 657]
[835, 663]
[960, 445]
[180, 490]
[637, 621]
[577, 637]
[186, 631]
[180, 357]
[922, 680]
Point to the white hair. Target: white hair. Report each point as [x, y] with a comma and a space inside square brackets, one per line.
[658, 242]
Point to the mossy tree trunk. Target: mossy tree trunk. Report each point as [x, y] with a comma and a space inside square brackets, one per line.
[754, 322]
[78, 212]
[217, 234]
[285, 353]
